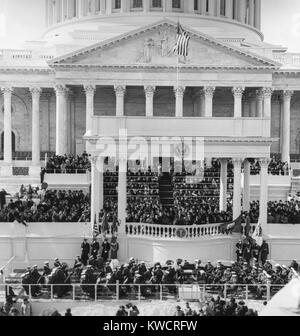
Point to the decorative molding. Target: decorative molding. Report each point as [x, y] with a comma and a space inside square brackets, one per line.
[89, 89]
[238, 91]
[237, 162]
[35, 91]
[267, 92]
[7, 90]
[179, 91]
[209, 91]
[60, 89]
[149, 91]
[120, 90]
[286, 95]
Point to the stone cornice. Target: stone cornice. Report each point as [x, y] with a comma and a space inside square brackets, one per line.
[164, 23]
[21, 69]
[122, 67]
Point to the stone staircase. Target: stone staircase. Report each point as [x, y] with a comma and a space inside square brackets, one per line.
[166, 190]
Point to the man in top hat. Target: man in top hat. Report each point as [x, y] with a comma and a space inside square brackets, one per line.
[105, 249]
[95, 247]
[47, 269]
[264, 252]
[85, 250]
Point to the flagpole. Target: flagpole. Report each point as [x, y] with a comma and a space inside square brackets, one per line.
[177, 60]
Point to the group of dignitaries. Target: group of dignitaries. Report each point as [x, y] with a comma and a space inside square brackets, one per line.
[100, 266]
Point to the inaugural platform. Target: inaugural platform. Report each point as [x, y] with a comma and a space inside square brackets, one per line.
[168, 130]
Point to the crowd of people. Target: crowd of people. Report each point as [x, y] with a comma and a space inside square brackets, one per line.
[52, 206]
[276, 167]
[68, 164]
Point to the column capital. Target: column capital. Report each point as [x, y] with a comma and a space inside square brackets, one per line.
[209, 91]
[237, 162]
[7, 90]
[89, 89]
[286, 95]
[238, 91]
[35, 91]
[267, 92]
[264, 162]
[259, 94]
[149, 90]
[60, 89]
[120, 90]
[179, 91]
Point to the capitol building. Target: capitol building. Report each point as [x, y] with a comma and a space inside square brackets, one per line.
[104, 66]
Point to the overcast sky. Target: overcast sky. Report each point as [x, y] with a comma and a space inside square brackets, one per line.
[22, 20]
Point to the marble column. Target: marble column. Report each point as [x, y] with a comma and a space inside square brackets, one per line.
[246, 191]
[259, 107]
[237, 164]
[242, 11]
[229, 9]
[263, 202]
[61, 122]
[286, 125]
[89, 94]
[223, 185]
[120, 94]
[202, 104]
[149, 93]
[267, 96]
[209, 95]
[35, 93]
[179, 94]
[212, 7]
[7, 124]
[253, 107]
[122, 193]
[238, 95]
[257, 17]
[251, 12]
[95, 191]
[147, 4]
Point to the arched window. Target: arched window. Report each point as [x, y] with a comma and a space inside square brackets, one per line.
[176, 4]
[222, 8]
[137, 4]
[156, 4]
[13, 142]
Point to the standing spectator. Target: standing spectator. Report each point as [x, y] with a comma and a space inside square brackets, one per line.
[105, 250]
[3, 195]
[114, 246]
[179, 311]
[68, 312]
[122, 311]
[95, 247]
[85, 250]
[264, 252]
[26, 309]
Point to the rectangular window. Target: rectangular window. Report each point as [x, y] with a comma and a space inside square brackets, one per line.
[207, 6]
[222, 8]
[176, 4]
[137, 4]
[156, 4]
[117, 4]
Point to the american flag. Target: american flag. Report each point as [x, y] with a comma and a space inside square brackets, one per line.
[182, 42]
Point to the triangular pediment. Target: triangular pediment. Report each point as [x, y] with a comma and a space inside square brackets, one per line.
[151, 46]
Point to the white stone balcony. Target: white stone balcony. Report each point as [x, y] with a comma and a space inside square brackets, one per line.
[288, 60]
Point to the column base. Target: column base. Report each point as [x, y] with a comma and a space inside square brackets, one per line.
[6, 170]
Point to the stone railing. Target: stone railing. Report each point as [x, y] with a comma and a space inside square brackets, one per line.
[177, 231]
[288, 58]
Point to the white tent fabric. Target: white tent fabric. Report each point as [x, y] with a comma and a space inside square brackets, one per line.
[286, 302]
